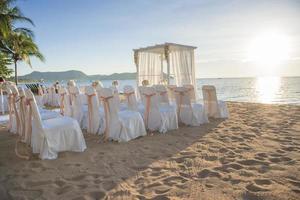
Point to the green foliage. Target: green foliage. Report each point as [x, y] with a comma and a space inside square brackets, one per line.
[5, 72]
[16, 42]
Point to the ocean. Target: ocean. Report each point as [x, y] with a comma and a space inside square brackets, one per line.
[279, 90]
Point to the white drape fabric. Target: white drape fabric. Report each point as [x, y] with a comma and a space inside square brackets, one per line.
[77, 105]
[53, 135]
[162, 94]
[130, 98]
[214, 108]
[192, 114]
[52, 98]
[183, 66]
[22, 112]
[120, 126]
[15, 109]
[116, 96]
[157, 118]
[149, 68]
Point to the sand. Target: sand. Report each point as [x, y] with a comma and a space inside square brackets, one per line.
[253, 155]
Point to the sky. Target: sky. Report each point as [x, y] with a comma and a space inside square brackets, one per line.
[98, 36]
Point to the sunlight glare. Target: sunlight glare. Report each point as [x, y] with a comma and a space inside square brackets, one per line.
[269, 49]
[267, 88]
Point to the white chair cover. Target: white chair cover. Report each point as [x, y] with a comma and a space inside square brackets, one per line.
[11, 117]
[40, 97]
[120, 126]
[191, 92]
[130, 98]
[93, 113]
[188, 113]
[156, 117]
[53, 135]
[53, 98]
[77, 105]
[162, 93]
[214, 108]
[16, 123]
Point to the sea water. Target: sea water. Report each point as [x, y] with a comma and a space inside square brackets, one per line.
[280, 90]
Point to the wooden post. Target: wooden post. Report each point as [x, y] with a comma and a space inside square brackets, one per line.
[168, 62]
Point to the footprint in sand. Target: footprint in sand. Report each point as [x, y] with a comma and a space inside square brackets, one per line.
[160, 197]
[209, 173]
[255, 188]
[210, 158]
[251, 162]
[38, 183]
[174, 180]
[64, 190]
[263, 181]
[60, 183]
[95, 195]
[109, 185]
[295, 183]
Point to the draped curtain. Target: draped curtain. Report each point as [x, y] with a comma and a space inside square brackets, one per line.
[183, 67]
[149, 67]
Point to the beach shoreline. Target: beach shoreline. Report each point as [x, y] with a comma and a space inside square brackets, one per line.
[255, 154]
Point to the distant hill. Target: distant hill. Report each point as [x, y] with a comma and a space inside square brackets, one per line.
[76, 75]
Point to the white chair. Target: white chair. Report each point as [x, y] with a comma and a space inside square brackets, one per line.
[162, 94]
[192, 114]
[40, 97]
[120, 126]
[10, 109]
[157, 118]
[53, 135]
[53, 97]
[15, 120]
[214, 108]
[77, 105]
[191, 91]
[130, 98]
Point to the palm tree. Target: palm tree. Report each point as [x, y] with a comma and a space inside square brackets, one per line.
[16, 42]
[22, 48]
[5, 72]
[9, 15]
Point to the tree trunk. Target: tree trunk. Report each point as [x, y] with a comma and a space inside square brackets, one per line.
[16, 73]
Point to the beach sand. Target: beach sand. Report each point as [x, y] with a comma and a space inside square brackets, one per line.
[255, 154]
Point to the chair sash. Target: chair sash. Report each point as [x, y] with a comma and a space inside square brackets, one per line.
[14, 102]
[29, 131]
[29, 121]
[62, 99]
[105, 101]
[10, 111]
[131, 102]
[148, 105]
[181, 102]
[40, 91]
[90, 112]
[72, 97]
[22, 116]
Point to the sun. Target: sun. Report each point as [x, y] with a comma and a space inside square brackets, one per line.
[270, 48]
